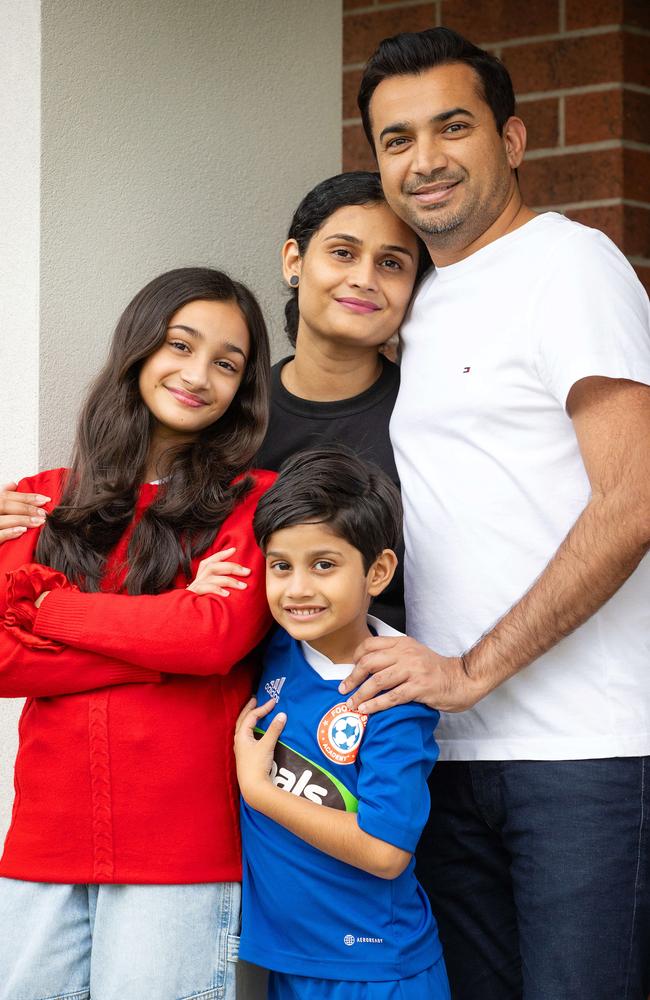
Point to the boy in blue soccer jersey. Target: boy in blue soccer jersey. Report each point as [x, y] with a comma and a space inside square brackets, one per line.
[332, 810]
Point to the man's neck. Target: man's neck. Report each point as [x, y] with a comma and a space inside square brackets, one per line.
[514, 215]
[328, 372]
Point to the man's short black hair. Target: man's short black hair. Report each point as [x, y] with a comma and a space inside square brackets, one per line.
[332, 486]
[415, 52]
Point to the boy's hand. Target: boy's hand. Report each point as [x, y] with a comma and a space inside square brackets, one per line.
[215, 574]
[19, 511]
[255, 757]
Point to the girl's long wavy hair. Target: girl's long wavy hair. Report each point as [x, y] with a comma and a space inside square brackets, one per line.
[112, 444]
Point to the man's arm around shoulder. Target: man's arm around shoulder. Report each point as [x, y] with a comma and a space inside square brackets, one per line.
[611, 419]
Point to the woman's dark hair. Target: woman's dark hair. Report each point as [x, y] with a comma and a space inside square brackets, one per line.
[414, 52]
[112, 445]
[358, 187]
[332, 486]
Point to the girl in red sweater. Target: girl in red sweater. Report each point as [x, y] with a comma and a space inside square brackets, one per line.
[120, 872]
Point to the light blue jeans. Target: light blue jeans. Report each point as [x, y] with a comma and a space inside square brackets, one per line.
[118, 942]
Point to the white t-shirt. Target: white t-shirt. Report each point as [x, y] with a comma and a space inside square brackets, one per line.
[492, 481]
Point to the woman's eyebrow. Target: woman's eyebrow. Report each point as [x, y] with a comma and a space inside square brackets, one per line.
[388, 248]
[385, 248]
[346, 237]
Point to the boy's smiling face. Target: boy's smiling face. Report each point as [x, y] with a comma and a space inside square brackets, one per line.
[318, 589]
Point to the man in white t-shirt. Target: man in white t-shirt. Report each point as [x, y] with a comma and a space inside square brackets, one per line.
[522, 441]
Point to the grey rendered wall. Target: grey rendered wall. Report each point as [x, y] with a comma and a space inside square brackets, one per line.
[174, 132]
[169, 132]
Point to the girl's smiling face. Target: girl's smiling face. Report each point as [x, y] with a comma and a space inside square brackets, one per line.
[356, 276]
[191, 379]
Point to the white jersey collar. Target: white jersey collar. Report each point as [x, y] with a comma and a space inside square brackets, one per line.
[339, 671]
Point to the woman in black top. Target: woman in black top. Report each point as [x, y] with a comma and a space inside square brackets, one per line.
[351, 266]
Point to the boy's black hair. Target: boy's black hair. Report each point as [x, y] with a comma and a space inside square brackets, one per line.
[411, 53]
[332, 486]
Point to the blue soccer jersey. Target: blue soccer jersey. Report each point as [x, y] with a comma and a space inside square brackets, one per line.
[305, 912]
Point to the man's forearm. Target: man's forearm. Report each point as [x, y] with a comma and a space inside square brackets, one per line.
[603, 548]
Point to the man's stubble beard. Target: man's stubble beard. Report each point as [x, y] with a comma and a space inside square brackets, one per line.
[463, 226]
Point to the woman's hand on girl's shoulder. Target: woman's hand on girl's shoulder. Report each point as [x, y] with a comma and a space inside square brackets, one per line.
[215, 575]
[19, 511]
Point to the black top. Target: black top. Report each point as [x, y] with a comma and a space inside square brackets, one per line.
[361, 424]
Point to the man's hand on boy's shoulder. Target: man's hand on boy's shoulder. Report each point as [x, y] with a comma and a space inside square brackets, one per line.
[393, 670]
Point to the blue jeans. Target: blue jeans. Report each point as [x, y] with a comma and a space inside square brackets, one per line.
[539, 876]
[113, 942]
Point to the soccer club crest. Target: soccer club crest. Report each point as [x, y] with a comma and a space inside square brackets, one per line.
[340, 732]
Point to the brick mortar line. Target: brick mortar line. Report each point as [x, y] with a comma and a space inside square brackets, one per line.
[601, 29]
[596, 88]
[639, 261]
[395, 5]
[587, 147]
[524, 40]
[561, 122]
[570, 206]
[563, 208]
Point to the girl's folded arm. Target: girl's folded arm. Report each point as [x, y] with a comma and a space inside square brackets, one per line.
[30, 669]
[178, 631]
[28, 672]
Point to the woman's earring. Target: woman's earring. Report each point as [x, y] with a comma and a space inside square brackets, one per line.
[294, 280]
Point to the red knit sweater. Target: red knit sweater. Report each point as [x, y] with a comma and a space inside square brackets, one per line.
[125, 771]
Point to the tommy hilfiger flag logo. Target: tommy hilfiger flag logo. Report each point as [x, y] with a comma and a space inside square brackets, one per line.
[273, 688]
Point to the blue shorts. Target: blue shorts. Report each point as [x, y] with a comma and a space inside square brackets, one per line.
[431, 984]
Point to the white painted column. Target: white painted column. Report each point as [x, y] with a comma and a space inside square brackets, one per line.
[20, 114]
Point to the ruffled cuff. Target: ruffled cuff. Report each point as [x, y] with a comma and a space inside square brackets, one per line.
[24, 586]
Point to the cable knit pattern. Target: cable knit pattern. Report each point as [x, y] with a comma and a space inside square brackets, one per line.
[100, 780]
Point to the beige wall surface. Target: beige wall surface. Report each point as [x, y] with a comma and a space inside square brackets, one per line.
[172, 132]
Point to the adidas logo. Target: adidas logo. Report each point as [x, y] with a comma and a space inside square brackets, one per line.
[273, 688]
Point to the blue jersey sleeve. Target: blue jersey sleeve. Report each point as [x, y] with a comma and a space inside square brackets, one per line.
[395, 759]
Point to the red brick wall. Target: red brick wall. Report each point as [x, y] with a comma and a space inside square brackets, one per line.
[581, 70]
